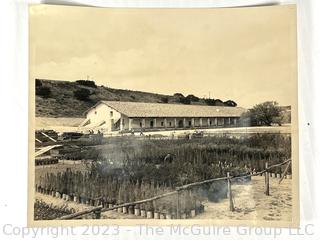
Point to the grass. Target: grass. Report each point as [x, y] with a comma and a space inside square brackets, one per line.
[62, 102]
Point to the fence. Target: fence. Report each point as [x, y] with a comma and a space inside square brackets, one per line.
[179, 194]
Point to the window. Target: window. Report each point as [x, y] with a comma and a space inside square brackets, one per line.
[210, 122]
[161, 124]
[170, 124]
[140, 124]
[189, 123]
[111, 113]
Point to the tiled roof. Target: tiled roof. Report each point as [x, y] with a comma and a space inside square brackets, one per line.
[140, 109]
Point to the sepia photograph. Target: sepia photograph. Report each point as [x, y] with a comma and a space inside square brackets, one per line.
[163, 116]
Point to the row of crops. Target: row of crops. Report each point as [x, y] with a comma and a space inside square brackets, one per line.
[94, 190]
[129, 169]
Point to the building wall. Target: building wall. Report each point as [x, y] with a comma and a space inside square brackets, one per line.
[102, 113]
[169, 123]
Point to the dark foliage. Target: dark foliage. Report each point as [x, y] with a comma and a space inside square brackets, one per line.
[210, 101]
[178, 95]
[218, 102]
[230, 103]
[264, 114]
[193, 98]
[87, 83]
[43, 91]
[82, 94]
[185, 100]
[38, 83]
[165, 99]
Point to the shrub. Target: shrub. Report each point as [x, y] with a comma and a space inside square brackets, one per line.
[165, 99]
[192, 98]
[87, 83]
[82, 94]
[43, 91]
[230, 103]
[218, 102]
[178, 95]
[214, 102]
[38, 83]
[185, 100]
[209, 101]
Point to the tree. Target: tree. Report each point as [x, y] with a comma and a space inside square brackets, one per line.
[265, 114]
[185, 100]
[230, 103]
[178, 95]
[209, 101]
[218, 102]
[87, 83]
[43, 91]
[164, 99]
[192, 98]
[38, 83]
[82, 94]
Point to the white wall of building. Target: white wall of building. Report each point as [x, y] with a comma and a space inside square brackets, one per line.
[103, 113]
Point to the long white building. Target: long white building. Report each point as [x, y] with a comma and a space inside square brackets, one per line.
[127, 116]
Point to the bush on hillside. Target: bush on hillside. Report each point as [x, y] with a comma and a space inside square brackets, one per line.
[165, 99]
[82, 94]
[44, 92]
[87, 83]
[193, 98]
[178, 95]
[38, 83]
[230, 103]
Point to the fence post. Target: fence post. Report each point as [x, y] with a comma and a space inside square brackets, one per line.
[285, 172]
[230, 193]
[97, 214]
[178, 204]
[266, 178]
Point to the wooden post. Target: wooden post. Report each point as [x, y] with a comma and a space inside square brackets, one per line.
[130, 124]
[155, 123]
[178, 205]
[285, 172]
[97, 213]
[266, 177]
[230, 193]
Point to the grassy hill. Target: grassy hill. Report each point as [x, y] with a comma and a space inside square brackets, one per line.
[72, 99]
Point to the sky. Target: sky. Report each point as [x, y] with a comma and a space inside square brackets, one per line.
[244, 54]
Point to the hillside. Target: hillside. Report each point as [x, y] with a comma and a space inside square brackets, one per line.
[72, 99]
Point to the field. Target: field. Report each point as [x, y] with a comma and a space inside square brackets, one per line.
[252, 204]
[250, 201]
[127, 169]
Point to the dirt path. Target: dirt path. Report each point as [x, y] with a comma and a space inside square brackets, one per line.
[252, 204]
